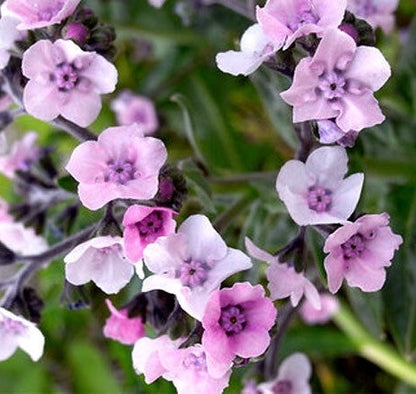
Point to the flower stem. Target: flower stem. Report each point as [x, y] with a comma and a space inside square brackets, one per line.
[381, 354]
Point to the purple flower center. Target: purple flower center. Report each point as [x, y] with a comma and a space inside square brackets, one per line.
[195, 362]
[319, 199]
[332, 85]
[282, 387]
[11, 326]
[232, 319]
[47, 13]
[303, 17]
[151, 224]
[193, 273]
[65, 77]
[119, 171]
[353, 247]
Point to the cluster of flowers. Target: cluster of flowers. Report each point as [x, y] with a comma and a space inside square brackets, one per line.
[333, 86]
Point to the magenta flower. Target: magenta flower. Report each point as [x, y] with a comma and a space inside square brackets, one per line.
[187, 369]
[131, 108]
[64, 80]
[255, 49]
[122, 163]
[378, 13]
[40, 13]
[122, 328]
[15, 331]
[338, 82]
[311, 315]
[21, 156]
[143, 226]
[101, 260]
[315, 192]
[294, 374]
[284, 281]
[359, 252]
[192, 263]
[284, 21]
[236, 321]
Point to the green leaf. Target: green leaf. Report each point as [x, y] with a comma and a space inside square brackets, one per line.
[68, 183]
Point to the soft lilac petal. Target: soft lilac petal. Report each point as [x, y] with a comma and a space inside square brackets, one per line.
[257, 253]
[297, 367]
[32, 342]
[82, 108]
[361, 275]
[251, 343]
[34, 98]
[334, 268]
[41, 57]
[238, 63]
[287, 180]
[272, 27]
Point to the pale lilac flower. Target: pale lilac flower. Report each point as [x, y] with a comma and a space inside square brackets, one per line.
[378, 13]
[143, 226]
[101, 260]
[329, 133]
[122, 163]
[311, 315]
[131, 108]
[64, 80]
[338, 82]
[9, 34]
[255, 49]
[156, 3]
[283, 21]
[122, 328]
[284, 281]
[187, 369]
[315, 192]
[236, 322]
[39, 13]
[293, 378]
[15, 331]
[360, 252]
[192, 263]
[147, 356]
[21, 156]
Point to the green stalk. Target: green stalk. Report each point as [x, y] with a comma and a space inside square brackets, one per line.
[377, 352]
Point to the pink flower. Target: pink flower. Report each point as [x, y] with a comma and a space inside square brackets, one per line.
[187, 369]
[101, 260]
[236, 321]
[311, 315]
[359, 252]
[22, 154]
[315, 192]
[378, 13]
[65, 80]
[4, 212]
[284, 21]
[147, 357]
[15, 331]
[338, 82]
[121, 164]
[21, 240]
[131, 108]
[9, 34]
[40, 13]
[284, 281]
[191, 264]
[122, 328]
[143, 226]
[255, 49]
[294, 374]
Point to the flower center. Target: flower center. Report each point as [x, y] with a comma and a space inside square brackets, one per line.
[282, 387]
[119, 171]
[65, 76]
[353, 247]
[232, 320]
[11, 326]
[195, 362]
[332, 85]
[319, 199]
[302, 18]
[151, 224]
[193, 273]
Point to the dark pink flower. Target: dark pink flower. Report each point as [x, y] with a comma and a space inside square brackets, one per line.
[359, 252]
[236, 321]
[64, 80]
[338, 82]
[122, 163]
[122, 328]
[39, 13]
[144, 225]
